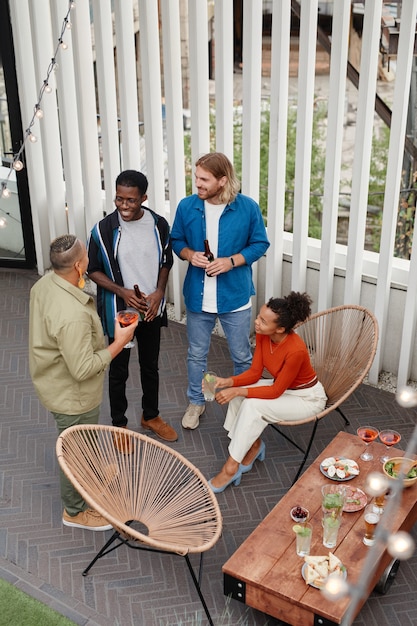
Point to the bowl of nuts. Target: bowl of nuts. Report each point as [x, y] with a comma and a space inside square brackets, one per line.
[299, 514]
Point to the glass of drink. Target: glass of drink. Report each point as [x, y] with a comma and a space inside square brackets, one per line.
[331, 527]
[126, 318]
[333, 499]
[303, 533]
[209, 386]
[379, 502]
[371, 518]
[367, 434]
[389, 438]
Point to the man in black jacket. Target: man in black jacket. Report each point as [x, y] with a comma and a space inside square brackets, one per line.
[130, 257]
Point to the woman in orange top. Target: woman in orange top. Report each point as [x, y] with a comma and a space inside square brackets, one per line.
[293, 392]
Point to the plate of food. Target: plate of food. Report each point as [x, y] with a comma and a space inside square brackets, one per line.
[339, 468]
[316, 569]
[355, 500]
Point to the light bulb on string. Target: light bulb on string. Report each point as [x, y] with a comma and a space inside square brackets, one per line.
[18, 165]
[3, 222]
[335, 587]
[406, 397]
[5, 192]
[401, 545]
[376, 484]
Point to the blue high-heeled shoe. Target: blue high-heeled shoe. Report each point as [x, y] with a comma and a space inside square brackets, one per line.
[235, 480]
[260, 456]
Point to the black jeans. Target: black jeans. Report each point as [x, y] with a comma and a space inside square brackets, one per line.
[148, 336]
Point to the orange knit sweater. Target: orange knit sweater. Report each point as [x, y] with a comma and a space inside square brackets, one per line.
[288, 363]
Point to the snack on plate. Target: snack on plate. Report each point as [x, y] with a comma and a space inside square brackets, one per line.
[340, 467]
[318, 568]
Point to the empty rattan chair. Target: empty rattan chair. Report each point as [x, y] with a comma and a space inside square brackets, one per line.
[154, 497]
[342, 343]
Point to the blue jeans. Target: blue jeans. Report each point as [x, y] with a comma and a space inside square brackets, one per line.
[236, 327]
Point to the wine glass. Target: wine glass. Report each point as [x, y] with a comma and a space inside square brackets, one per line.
[389, 438]
[367, 434]
[126, 318]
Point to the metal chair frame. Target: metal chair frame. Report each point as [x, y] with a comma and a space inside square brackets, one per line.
[342, 343]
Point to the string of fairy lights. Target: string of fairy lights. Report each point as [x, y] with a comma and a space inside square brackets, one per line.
[17, 163]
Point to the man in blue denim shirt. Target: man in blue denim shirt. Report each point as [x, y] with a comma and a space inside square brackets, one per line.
[233, 225]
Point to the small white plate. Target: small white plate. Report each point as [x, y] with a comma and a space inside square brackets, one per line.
[342, 464]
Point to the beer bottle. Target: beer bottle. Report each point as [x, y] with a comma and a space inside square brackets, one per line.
[139, 295]
[207, 252]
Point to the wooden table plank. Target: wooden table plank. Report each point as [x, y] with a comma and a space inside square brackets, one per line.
[267, 562]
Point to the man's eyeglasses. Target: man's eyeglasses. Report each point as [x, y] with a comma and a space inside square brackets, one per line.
[118, 201]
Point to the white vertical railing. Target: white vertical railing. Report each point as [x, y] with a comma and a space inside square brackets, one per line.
[127, 84]
[70, 138]
[223, 19]
[334, 146]
[306, 73]
[280, 59]
[106, 83]
[363, 147]
[48, 128]
[251, 104]
[170, 15]
[199, 78]
[68, 124]
[390, 211]
[152, 102]
[82, 51]
[251, 119]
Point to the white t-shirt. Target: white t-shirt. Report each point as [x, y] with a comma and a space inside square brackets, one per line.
[138, 253]
[213, 213]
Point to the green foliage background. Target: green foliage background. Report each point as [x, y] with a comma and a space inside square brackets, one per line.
[378, 169]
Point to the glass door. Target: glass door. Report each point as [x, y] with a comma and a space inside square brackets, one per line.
[16, 231]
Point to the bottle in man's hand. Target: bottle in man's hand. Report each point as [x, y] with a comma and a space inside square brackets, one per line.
[208, 253]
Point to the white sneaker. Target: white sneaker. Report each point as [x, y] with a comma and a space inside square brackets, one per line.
[191, 417]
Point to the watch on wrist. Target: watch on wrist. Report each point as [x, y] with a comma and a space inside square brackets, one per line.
[232, 262]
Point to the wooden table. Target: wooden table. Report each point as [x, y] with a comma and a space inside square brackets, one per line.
[265, 572]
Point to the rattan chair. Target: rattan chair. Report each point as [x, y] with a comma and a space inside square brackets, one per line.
[342, 343]
[154, 497]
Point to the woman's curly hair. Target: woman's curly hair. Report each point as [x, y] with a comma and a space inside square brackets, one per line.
[291, 309]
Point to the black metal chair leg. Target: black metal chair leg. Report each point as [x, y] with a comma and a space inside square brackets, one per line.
[101, 552]
[313, 432]
[197, 586]
[291, 441]
[200, 569]
[339, 410]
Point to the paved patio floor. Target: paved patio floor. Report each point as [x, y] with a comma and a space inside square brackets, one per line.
[45, 559]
